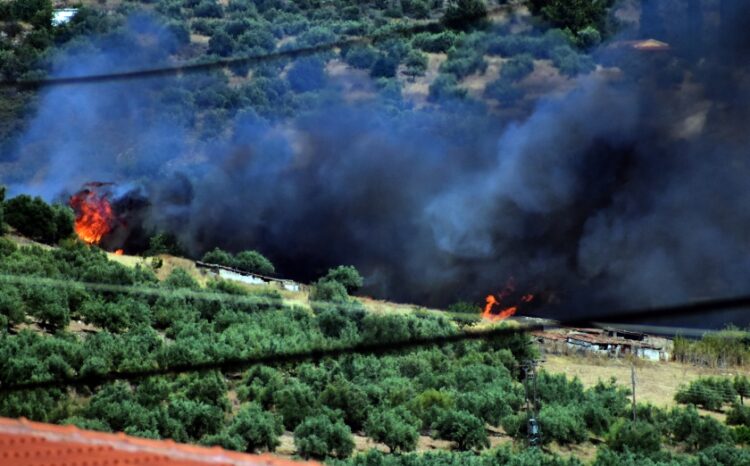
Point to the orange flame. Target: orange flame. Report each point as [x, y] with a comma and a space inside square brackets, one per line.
[119, 252]
[94, 216]
[507, 311]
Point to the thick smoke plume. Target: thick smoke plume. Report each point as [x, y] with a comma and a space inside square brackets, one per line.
[631, 189]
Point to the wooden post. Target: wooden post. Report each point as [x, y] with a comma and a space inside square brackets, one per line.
[632, 379]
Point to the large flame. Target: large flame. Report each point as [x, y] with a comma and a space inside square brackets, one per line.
[507, 311]
[94, 216]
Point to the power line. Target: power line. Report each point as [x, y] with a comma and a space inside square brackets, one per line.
[371, 348]
[186, 293]
[431, 26]
[234, 364]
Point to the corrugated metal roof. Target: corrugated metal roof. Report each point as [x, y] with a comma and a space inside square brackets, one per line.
[25, 443]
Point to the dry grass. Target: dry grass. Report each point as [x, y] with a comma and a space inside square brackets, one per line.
[656, 382]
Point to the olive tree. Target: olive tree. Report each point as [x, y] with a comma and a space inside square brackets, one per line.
[396, 427]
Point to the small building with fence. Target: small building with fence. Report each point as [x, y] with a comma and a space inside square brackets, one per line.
[230, 273]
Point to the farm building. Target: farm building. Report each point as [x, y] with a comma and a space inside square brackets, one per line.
[229, 273]
[606, 342]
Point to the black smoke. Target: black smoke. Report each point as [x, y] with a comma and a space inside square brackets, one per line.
[631, 189]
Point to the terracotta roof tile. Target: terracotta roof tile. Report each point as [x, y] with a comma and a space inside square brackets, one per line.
[27, 443]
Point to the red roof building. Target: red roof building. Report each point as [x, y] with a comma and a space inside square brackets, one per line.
[26, 443]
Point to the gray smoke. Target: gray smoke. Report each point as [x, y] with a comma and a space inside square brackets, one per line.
[631, 189]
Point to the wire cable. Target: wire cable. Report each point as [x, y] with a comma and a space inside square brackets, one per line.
[372, 348]
[431, 26]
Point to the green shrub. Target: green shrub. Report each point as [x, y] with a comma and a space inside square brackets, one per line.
[295, 402]
[570, 62]
[384, 67]
[163, 243]
[397, 428]
[464, 13]
[638, 437]
[218, 256]
[319, 437]
[349, 399]
[696, 431]
[307, 74]
[416, 64]
[435, 43]
[12, 307]
[707, 392]
[37, 220]
[258, 429]
[361, 57]
[517, 67]
[253, 262]
[503, 91]
[208, 9]
[463, 428]
[562, 423]
[329, 290]
[445, 87]
[430, 404]
[180, 278]
[739, 415]
[463, 62]
[347, 275]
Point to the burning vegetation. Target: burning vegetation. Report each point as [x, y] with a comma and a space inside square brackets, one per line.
[94, 215]
[506, 295]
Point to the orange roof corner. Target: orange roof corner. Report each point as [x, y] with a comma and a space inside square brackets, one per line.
[24, 442]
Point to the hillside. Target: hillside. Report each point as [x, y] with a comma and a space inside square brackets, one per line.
[269, 226]
[420, 400]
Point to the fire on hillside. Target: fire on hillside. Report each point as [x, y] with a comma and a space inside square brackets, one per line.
[94, 215]
[503, 297]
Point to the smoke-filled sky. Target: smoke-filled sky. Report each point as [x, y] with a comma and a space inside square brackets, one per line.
[631, 189]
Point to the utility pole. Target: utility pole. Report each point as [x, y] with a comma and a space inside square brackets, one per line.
[533, 431]
[632, 379]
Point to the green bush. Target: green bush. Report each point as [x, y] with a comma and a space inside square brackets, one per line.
[319, 437]
[464, 13]
[295, 402]
[708, 392]
[116, 316]
[562, 423]
[163, 243]
[463, 62]
[347, 275]
[37, 220]
[445, 87]
[463, 428]
[573, 15]
[254, 262]
[349, 399]
[328, 290]
[218, 256]
[397, 428]
[637, 437]
[739, 415]
[180, 278]
[258, 429]
[12, 307]
[221, 44]
[208, 9]
[435, 43]
[503, 91]
[416, 64]
[384, 67]
[361, 57]
[517, 67]
[570, 62]
[695, 431]
[307, 74]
